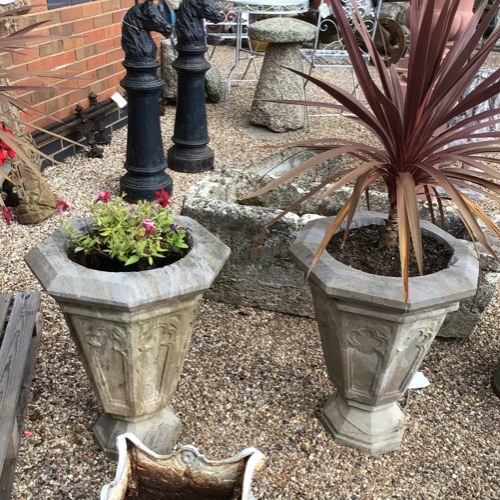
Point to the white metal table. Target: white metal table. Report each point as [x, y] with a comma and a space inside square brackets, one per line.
[241, 7]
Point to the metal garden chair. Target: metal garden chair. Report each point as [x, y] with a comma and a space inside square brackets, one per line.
[334, 54]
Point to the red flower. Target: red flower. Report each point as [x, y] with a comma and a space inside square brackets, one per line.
[8, 215]
[162, 198]
[3, 155]
[103, 196]
[61, 206]
[11, 152]
[5, 149]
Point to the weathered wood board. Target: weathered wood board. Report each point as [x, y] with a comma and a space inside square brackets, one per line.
[18, 351]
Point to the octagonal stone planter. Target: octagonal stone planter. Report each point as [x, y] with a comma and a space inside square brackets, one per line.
[374, 341]
[132, 330]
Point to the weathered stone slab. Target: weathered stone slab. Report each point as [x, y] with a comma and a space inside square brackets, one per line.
[269, 280]
[462, 323]
[213, 84]
[168, 74]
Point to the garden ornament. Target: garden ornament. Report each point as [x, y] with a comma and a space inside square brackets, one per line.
[185, 474]
[190, 152]
[145, 162]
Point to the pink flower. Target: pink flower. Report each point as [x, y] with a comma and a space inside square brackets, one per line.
[28, 433]
[61, 206]
[104, 196]
[162, 198]
[149, 224]
[8, 215]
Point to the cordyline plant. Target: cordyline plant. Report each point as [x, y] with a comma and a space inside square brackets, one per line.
[410, 128]
[14, 44]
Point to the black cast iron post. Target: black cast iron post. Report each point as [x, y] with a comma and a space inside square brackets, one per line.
[145, 162]
[190, 152]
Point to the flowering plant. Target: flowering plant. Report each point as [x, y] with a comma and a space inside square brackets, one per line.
[129, 234]
[5, 150]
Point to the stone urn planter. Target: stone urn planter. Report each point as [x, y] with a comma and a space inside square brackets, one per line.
[374, 341]
[132, 329]
[185, 474]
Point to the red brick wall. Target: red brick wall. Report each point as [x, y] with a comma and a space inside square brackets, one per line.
[97, 55]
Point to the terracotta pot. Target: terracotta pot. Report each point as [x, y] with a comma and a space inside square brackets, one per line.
[462, 17]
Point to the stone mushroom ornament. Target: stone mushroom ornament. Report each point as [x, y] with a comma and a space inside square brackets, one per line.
[284, 35]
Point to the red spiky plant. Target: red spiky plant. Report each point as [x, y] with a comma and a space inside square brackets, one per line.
[408, 127]
[14, 44]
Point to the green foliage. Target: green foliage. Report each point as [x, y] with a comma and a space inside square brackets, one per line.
[119, 231]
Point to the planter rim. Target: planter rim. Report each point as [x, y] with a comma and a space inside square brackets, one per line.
[453, 284]
[120, 482]
[67, 281]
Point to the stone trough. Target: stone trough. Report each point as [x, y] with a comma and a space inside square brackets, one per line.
[269, 280]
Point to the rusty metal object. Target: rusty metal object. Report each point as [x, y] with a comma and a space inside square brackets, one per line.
[390, 40]
[183, 475]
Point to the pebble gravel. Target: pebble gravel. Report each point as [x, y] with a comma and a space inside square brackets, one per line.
[253, 377]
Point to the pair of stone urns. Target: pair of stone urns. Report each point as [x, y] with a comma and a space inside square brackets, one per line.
[133, 330]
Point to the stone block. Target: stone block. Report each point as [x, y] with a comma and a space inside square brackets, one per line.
[395, 10]
[267, 280]
[168, 74]
[276, 82]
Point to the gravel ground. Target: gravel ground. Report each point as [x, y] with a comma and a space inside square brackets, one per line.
[254, 378]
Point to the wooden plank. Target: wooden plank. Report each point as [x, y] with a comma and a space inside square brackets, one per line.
[9, 469]
[14, 354]
[27, 380]
[7, 479]
[5, 301]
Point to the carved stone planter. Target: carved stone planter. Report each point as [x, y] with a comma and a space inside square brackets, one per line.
[372, 340]
[186, 474]
[132, 330]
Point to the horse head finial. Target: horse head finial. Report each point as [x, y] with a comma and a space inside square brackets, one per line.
[189, 23]
[206, 10]
[138, 22]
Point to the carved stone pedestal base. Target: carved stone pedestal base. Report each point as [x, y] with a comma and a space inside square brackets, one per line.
[158, 431]
[374, 341]
[371, 430]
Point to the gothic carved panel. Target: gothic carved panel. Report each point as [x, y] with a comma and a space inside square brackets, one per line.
[367, 347]
[136, 367]
[409, 354]
[106, 354]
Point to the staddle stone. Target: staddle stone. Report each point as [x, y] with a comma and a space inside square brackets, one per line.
[282, 30]
[276, 82]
